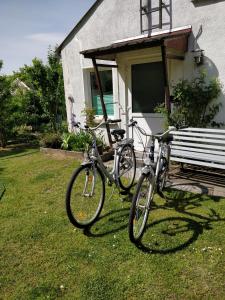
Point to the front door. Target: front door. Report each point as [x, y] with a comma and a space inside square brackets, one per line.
[146, 92]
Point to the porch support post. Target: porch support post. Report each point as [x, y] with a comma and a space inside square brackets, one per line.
[98, 81]
[166, 80]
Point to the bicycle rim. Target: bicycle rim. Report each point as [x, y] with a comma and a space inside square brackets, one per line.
[85, 195]
[126, 167]
[140, 207]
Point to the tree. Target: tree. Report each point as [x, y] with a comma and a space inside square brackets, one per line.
[54, 100]
[46, 97]
[7, 120]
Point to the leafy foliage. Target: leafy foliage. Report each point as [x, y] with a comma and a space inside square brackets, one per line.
[34, 96]
[51, 140]
[79, 141]
[6, 120]
[45, 100]
[193, 103]
[89, 114]
[11, 108]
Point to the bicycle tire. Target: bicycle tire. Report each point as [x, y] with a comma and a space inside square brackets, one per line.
[78, 218]
[122, 164]
[162, 176]
[136, 206]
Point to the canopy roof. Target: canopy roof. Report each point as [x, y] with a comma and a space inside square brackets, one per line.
[177, 40]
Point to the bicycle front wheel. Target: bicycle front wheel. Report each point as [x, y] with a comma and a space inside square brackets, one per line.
[126, 167]
[140, 207]
[85, 195]
[163, 176]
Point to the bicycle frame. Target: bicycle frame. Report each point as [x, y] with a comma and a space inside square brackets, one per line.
[95, 158]
[152, 164]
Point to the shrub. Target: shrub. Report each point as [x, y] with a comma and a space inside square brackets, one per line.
[193, 103]
[89, 114]
[51, 140]
[79, 141]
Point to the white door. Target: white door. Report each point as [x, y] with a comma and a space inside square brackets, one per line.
[146, 91]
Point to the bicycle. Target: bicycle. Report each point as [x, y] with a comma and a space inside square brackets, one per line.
[153, 178]
[85, 194]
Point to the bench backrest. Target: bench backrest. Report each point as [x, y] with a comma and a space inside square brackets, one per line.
[199, 146]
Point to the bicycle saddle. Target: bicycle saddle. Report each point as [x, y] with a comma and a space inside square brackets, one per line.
[120, 132]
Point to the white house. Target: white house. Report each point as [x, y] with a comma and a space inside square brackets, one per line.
[142, 48]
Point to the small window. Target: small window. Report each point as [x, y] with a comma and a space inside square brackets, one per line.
[147, 87]
[107, 86]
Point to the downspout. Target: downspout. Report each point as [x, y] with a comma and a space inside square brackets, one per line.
[98, 81]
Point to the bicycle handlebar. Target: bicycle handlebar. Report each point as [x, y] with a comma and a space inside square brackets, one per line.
[109, 121]
[161, 136]
[103, 122]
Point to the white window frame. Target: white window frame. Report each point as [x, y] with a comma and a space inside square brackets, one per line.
[88, 93]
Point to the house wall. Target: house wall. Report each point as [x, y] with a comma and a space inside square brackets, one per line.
[115, 19]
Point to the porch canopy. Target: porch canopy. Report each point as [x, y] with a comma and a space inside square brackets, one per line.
[173, 43]
[176, 40]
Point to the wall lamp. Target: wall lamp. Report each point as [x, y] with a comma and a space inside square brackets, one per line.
[198, 55]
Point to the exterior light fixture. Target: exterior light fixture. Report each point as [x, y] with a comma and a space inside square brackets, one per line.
[198, 55]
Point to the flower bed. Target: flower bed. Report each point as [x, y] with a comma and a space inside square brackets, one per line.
[58, 153]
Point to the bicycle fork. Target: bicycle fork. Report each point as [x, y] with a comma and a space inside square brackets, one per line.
[87, 180]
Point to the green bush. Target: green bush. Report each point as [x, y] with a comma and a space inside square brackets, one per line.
[194, 103]
[51, 140]
[79, 141]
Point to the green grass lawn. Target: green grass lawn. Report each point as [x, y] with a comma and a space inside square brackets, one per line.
[42, 256]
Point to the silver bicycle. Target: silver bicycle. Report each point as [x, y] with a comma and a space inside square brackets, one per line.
[86, 190]
[153, 178]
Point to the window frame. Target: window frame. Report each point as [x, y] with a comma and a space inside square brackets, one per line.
[88, 92]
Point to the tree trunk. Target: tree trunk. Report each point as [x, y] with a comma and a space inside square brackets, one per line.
[3, 140]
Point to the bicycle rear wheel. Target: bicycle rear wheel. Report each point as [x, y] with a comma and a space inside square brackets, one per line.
[140, 207]
[126, 167]
[85, 195]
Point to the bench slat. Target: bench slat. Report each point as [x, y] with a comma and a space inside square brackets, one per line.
[199, 156]
[198, 134]
[199, 140]
[200, 163]
[208, 146]
[199, 146]
[203, 130]
[200, 150]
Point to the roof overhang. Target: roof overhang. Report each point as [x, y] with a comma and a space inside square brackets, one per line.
[176, 40]
[78, 26]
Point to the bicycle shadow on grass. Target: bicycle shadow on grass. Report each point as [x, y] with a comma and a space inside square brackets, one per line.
[109, 223]
[2, 190]
[172, 234]
[169, 235]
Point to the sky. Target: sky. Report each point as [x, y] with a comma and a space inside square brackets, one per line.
[28, 27]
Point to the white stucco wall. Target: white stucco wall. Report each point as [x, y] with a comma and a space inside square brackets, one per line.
[115, 19]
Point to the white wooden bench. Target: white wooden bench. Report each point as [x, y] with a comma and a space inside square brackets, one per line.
[199, 146]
